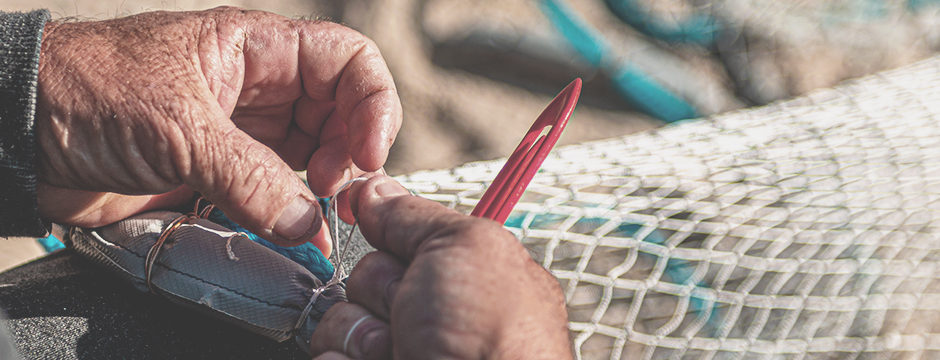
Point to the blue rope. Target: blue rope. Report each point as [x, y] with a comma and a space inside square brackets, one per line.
[50, 243]
[918, 5]
[697, 29]
[678, 271]
[306, 254]
[632, 83]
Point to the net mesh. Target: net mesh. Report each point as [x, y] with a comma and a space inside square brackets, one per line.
[804, 229]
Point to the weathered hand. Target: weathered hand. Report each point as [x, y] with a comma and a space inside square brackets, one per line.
[134, 112]
[442, 285]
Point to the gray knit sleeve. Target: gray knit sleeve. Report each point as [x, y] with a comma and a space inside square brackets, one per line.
[20, 36]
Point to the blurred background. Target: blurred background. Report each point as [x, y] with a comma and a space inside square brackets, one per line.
[473, 75]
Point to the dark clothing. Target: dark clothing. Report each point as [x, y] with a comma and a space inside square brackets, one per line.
[20, 36]
[64, 307]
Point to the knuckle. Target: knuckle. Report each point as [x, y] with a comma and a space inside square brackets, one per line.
[353, 42]
[369, 259]
[227, 11]
[343, 32]
[258, 176]
[363, 269]
[239, 16]
[229, 165]
[204, 151]
[367, 46]
[440, 227]
[468, 227]
[475, 234]
[336, 313]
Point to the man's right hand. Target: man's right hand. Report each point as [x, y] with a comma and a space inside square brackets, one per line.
[442, 285]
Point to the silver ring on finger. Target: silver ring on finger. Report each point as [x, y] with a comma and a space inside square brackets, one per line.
[351, 330]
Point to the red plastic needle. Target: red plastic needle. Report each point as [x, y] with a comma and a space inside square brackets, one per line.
[525, 161]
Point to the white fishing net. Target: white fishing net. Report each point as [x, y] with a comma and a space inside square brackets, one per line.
[805, 229]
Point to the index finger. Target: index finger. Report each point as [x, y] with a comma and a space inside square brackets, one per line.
[339, 64]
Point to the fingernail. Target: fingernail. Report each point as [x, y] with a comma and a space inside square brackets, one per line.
[297, 221]
[390, 188]
[323, 241]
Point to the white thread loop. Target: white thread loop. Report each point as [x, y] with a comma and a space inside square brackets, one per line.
[339, 272]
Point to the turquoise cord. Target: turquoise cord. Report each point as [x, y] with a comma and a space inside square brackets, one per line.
[677, 271]
[697, 29]
[50, 243]
[633, 84]
[306, 254]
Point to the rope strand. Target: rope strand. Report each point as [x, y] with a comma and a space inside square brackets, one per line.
[339, 255]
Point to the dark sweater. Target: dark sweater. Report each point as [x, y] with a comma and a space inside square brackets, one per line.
[20, 36]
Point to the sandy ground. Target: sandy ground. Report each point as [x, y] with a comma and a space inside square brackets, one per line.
[461, 105]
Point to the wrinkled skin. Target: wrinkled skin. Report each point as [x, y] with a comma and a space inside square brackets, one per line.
[442, 286]
[135, 113]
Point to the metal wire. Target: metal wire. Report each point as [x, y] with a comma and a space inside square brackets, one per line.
[167, 232]
[154, 251]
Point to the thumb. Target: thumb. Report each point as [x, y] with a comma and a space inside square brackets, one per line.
[393, 221]
[256, 189]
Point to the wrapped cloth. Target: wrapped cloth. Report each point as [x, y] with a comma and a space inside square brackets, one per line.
[207, 267]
